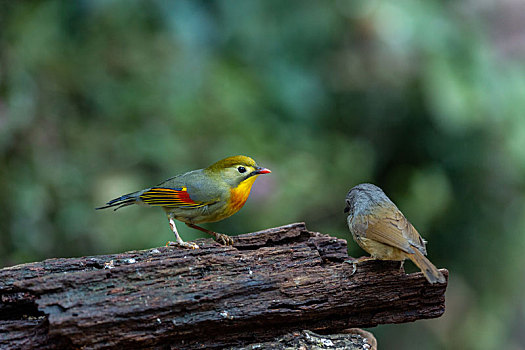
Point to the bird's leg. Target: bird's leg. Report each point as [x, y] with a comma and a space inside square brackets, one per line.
[354, 262]
[401, 269]
[179, 241]
[219, 237]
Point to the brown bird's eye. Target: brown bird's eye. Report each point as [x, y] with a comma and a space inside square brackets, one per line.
[241, 169]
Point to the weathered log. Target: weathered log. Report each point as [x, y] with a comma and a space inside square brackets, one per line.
[353, 339]
[271, 283]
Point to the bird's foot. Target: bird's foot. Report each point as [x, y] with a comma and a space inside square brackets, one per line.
[182, 244]
[219, 237]
[224, 239]
[354, 262]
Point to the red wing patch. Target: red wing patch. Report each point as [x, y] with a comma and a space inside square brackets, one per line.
[170, 197]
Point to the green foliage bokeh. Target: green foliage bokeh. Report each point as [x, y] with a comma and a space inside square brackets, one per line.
[100, 98]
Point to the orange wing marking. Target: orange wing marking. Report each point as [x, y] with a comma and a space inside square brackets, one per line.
[170, 197]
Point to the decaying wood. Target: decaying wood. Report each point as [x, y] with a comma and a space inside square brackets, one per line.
[356, 339]
[273, 282]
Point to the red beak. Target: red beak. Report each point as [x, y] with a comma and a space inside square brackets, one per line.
[263, 171]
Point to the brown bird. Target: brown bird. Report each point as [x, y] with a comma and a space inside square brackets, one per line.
[380, 228]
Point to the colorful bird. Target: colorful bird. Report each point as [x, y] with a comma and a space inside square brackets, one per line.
[204, 195]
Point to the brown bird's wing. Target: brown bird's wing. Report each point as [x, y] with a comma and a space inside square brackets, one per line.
[389, 226]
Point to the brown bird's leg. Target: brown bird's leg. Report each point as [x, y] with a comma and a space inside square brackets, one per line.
[354, 262]
[179, 241]
[219, 237]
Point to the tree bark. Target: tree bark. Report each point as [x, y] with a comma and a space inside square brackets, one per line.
[351, 339]
[270, 283]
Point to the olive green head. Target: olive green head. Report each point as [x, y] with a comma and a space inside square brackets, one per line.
[235, 170]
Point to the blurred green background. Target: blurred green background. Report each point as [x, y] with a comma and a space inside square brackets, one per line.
[425, 99]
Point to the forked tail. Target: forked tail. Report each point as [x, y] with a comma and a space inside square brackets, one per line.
[120, 202]
[431, 272]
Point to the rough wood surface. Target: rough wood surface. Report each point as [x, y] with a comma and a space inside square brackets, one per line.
[271, 283]
[354, 339]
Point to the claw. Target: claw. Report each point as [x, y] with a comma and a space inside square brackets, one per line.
[354, 262]
[354, 265]
[224, 239]
[189, 245]
[219, 237]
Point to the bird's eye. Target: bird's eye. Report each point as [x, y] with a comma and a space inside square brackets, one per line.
[241, 169]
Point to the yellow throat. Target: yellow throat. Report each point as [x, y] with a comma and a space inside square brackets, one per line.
[239, 194]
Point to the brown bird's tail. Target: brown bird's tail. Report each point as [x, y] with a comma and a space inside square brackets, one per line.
[431, 272]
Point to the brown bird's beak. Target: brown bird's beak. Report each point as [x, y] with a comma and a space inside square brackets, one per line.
[260, 170]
